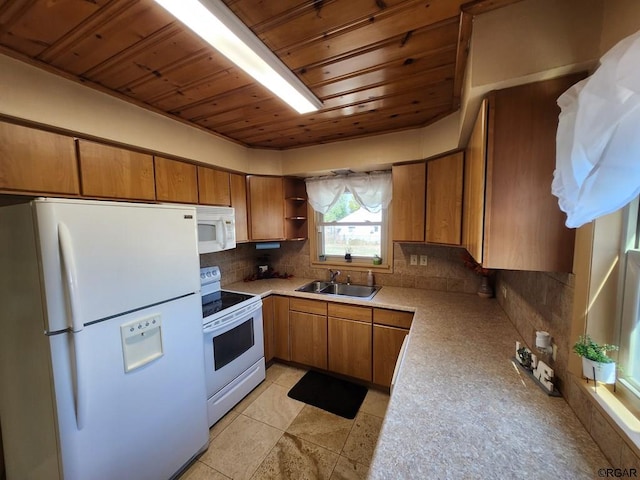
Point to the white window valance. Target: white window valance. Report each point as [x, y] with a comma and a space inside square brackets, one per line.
[371, 190]
[598, 140]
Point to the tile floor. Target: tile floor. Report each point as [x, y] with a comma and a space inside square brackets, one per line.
[271, 436]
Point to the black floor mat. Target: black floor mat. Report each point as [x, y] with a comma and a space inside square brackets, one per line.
[328, 393]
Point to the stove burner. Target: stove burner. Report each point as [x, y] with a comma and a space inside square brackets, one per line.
[221, 300]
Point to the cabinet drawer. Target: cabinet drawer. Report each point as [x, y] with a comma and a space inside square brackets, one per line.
[350, 312]
[393, 318]
[308, 306]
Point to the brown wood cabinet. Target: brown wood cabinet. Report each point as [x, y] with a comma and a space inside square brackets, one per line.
[213, 187]
[444, 199]
[176, 181]
[281, 343]
[387, 342]
[238, 192]
[308, 331]
[35, 161]
[267, 328]
[113, 172]
[427, 200]
[349, 340]
[266, 207]
[390, 327]
[408, 219]
[522, 225]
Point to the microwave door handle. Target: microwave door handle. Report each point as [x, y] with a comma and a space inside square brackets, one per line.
[224, 234]
[71, 279]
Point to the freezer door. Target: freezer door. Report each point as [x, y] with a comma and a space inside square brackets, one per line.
[144, 423]
[101, 259]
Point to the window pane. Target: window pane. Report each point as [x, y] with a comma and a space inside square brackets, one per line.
[630, 334]
[352, 230]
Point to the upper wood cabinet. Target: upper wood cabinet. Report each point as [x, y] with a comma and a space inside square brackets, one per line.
[176, 181]
[427, 200]
[37, 161]
[517, 224]
[266, 207]
[238, 191]
[213, 187]
[444, 199]
[114, 172]
[408, 219]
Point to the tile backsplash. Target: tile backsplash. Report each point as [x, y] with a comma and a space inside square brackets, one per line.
[445, 270]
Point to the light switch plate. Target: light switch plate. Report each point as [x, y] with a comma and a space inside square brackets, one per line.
[423, 260]
[413, 260]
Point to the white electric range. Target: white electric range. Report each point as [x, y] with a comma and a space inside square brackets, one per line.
[233, 343]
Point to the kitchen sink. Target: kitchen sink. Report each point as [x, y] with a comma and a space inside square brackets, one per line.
[313, 287]
[339, 289]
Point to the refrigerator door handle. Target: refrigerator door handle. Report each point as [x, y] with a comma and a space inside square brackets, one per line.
[71, 279]
[70, 275]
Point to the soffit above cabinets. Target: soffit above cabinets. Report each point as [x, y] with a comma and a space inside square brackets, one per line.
[377, 65]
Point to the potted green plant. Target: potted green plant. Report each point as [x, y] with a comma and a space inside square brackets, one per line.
[596, 365]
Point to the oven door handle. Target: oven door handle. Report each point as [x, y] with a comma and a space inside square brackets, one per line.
[225, 327]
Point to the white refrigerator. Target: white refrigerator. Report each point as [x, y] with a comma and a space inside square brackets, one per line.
[101, 344]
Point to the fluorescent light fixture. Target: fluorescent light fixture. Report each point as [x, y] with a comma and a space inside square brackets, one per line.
[217, 25]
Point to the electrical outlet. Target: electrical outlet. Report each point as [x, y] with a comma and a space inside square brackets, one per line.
[423, 260]
[554, 354]
[414, 260]
[504, 291]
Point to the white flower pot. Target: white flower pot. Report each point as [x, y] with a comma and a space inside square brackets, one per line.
[605, 372]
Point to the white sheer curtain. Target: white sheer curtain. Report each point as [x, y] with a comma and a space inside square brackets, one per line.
[371, 190]
[598, 140]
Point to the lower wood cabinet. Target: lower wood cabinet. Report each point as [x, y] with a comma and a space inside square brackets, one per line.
[281, 343]
[267, 328]
[356, 341]
[390, 327]
[350, 348]
[387, 342]
[308, 332]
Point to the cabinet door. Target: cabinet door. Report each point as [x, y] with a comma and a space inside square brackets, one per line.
[308, 339]
[266, 208]
[387, 342]
[474, 186]
[444, 199]
[524, 227]
[115, 172]
[408, 202]
[36, 161]
[213, 187]
[176, 181]
[238, 187]
[281, 328]
[349, 345]
[268, 324]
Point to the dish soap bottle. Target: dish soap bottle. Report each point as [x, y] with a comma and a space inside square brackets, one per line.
[370, 278]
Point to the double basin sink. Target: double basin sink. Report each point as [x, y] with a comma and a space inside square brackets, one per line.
[339, 289]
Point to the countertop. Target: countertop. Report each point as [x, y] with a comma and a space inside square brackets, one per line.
[459, 408]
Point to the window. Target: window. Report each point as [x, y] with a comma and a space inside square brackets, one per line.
[347, 227]
[629, 339]
[350, 219]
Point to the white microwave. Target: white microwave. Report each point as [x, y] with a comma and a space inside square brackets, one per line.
[216, 228]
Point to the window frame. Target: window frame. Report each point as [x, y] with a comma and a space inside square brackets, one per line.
[358, 263]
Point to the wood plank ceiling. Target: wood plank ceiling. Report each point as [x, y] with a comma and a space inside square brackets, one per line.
[377, 65]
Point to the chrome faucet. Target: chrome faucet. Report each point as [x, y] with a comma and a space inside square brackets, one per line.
[333, 274]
